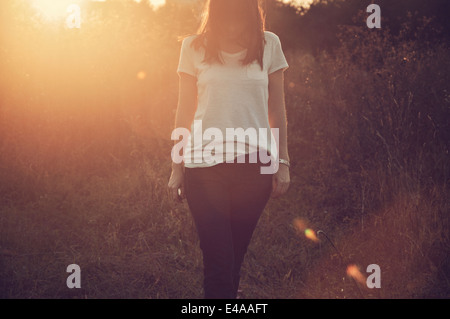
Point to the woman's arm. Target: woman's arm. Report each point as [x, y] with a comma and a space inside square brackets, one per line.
[277, 119]
[187, 105]
[277, 110]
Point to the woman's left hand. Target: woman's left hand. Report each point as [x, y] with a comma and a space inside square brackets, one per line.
[280, 181]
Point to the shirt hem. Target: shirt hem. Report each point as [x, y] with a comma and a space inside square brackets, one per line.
[282, 67]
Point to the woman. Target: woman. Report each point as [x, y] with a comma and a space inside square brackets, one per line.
[230, 76]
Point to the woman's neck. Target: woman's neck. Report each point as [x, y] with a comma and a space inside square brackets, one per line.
[230, 46]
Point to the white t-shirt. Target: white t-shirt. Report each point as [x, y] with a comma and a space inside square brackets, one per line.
[230, 96]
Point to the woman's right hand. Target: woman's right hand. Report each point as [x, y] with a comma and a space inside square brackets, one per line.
[176, 184]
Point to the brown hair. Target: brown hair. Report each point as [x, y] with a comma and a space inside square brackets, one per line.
[215, 13]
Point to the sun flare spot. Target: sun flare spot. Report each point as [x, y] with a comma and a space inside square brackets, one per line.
[141, 75]
[52, 9]
[302, 227]
[354, 272]
[156, 3]
[300, 224]
[311, 234]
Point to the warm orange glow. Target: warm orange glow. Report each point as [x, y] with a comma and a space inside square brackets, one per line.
[157, 3]
[354, 272]
[302, 227]
[57, 9]
[53, 9]
[141, 75]
[300, 224]
[301, 3]
[311, 234]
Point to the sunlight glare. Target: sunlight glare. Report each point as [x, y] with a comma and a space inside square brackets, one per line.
[354, 272]
[141, 75]
[51, 9]
[301, 225]
[311, 234]
[155, 3]
[300, 3]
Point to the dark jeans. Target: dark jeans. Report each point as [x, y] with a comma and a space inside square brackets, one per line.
[226, 201]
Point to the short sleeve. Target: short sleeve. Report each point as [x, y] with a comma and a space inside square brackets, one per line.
[278, 60]
[186, 62]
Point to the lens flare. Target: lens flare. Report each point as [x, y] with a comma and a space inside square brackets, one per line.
[53, 9]
[301, 225]
[354, 272]
[311, 234]
[158, 3]
[141, 75]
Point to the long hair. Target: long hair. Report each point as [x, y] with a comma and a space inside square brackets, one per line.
[215, 13]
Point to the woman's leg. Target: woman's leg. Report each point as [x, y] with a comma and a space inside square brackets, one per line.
[249, 196]
[208, 198]
[226, 201]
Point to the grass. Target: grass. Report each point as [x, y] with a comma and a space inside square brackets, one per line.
[131, 242]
